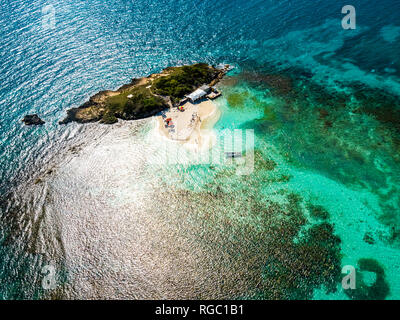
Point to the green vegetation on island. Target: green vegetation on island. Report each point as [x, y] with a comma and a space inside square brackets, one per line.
[140, 102]
[145, 97]
[183, 80]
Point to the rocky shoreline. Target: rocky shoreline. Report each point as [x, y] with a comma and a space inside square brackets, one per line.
[145, 97]
[93, 109]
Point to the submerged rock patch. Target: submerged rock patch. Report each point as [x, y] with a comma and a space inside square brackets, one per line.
[379, 290]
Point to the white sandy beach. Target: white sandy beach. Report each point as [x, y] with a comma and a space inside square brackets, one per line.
[193, 126]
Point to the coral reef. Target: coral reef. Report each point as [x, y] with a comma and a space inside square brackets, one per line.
[379, 290]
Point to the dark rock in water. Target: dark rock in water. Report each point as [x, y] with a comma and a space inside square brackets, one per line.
[32, 120]
[368, 238]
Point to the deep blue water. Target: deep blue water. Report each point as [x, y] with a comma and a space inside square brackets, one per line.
[97, 45]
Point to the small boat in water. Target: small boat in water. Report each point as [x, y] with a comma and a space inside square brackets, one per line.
[233, 154]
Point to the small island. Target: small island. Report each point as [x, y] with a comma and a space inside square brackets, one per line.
[145, 97]
[32, 120]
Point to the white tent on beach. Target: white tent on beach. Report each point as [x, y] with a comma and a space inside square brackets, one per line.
[199, 93]
[196, 95]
